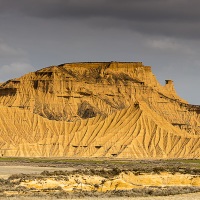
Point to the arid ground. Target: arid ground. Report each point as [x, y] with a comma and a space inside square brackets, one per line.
[193, 196]
[42, 178]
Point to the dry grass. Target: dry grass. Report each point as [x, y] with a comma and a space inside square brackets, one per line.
[105, 169]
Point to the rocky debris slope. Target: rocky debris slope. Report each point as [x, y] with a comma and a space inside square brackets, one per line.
[110, 109]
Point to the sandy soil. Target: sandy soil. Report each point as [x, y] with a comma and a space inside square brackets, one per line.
[195, 196]
[6, 171]
[17, 168]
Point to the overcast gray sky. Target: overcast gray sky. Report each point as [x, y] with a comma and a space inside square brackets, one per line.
[164, 34]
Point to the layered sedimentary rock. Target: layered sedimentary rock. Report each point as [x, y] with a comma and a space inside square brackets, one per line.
[110, 109]
[124, 181]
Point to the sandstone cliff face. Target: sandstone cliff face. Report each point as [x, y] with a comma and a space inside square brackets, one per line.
[106, 109]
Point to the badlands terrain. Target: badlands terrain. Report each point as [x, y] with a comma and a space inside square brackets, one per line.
[109, 109]
[97, 130]
[92, 179]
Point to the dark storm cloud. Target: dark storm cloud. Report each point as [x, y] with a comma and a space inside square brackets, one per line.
[162, 33]
[161, 17]
[142, 10]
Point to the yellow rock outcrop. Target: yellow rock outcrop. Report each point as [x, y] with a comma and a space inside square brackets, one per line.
[125, 181]
[110, 109]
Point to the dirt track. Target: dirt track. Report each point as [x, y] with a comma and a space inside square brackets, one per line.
[6, 171]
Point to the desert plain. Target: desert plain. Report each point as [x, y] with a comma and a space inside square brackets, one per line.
[97, 130]
[41, 178]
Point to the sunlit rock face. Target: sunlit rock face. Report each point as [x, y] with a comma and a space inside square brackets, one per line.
[109, 109]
